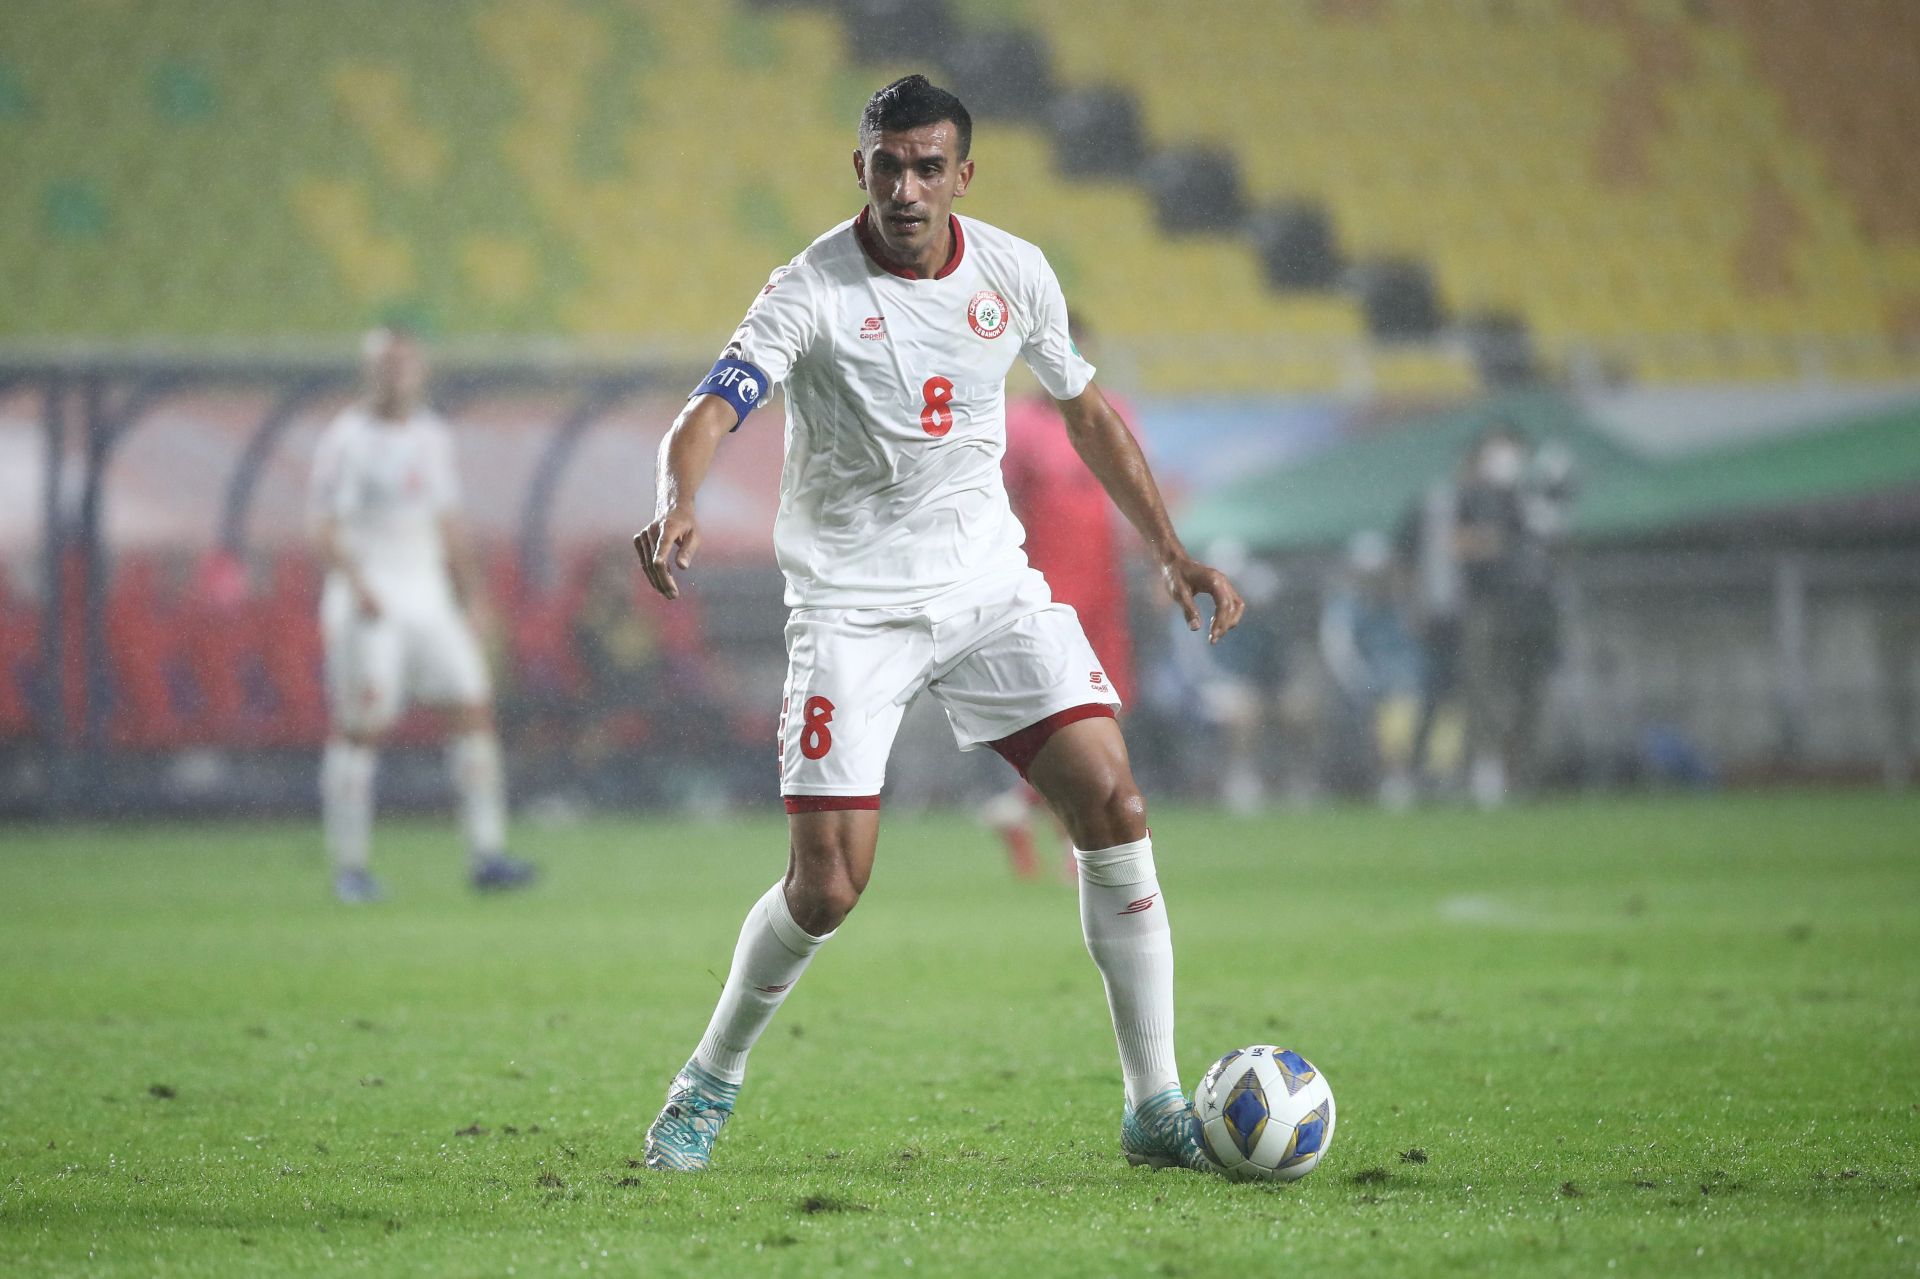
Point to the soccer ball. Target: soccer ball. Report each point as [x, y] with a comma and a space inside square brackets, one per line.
[1266, 1114]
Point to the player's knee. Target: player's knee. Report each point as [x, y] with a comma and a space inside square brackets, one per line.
[1113, 813]
[821, 900]
[824, 883]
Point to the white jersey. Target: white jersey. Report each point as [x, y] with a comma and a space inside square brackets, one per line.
[387, 485]
[896, 410]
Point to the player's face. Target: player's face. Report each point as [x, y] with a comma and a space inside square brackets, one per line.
[398, 372]
[912, 179]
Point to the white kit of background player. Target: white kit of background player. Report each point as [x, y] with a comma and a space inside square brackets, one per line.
[893, 334]
[396, 623]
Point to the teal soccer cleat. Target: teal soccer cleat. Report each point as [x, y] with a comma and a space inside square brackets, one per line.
[1163, 1132]
[698, 1107]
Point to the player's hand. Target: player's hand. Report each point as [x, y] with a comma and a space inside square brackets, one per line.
[666, 544]
[366, 601]
[1187, 577]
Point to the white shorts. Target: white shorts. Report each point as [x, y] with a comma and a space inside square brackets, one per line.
[999, 656]
[422, 651]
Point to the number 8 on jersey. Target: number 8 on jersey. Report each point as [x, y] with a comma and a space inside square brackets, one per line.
[936, 415]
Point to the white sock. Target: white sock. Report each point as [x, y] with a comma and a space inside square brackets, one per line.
[346, 803]
[1124, 918]
[772, 953]
[474, 761]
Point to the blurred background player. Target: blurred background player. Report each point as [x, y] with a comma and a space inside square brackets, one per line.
[1509, 504]
[1235, 689]
[1375, 662]
[1434, 603]
[648, 681]
[1074, 542]
[399, 616]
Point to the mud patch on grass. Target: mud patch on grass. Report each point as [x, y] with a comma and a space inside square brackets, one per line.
[814, 1204]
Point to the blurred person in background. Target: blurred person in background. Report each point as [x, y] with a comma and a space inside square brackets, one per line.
[1511, 503]
[1435, 600]
[400, 615]
[647, 681]
[1375, 661]
[1233, 687]
[1075, 543]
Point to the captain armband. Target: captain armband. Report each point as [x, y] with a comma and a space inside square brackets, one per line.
[738, 382]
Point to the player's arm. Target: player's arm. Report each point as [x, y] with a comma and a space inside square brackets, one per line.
[463, 565]
[776, 332]
[686, 454]
[328, 497]
[1113, 455]
[335, 558]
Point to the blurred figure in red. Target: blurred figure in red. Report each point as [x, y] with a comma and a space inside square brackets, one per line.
[1075, 543]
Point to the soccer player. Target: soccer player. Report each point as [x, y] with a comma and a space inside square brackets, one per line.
[396, 616]
[893, 334]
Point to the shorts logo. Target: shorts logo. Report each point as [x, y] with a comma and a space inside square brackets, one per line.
[873, 328]
[987, 313]
[1096, 678]
[1135, 908]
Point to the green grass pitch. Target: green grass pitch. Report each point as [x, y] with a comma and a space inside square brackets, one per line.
[1653, 1037]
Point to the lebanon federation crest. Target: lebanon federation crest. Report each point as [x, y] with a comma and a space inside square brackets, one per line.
[987, 313]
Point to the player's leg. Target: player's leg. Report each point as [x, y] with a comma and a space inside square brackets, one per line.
[479, 781]
[451, 670]
[1483, 693]
[1039, 679]
[347, 769]
[1009, 815]
[363, 667]
[847, 686]
[830, 859]
[829, 862]
[1083, 771]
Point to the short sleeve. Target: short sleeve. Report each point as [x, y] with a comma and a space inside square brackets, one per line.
[779, 327]
[1049, 349]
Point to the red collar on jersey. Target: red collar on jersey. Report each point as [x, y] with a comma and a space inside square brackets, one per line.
[864, 233]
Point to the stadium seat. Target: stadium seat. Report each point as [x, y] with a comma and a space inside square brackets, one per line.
[1611, 173]
[150, 673]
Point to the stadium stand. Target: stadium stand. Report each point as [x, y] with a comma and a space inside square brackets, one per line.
[1611, 170]
[1700, 188]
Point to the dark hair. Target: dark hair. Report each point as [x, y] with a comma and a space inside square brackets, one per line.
[913, 102]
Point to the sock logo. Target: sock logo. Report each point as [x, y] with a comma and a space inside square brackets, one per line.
[773, 990]
[1134, 908]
